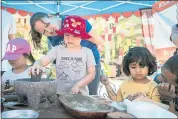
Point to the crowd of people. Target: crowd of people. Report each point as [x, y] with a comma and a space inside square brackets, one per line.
[74, 52]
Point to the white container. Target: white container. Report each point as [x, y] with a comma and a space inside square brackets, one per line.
[141, 109]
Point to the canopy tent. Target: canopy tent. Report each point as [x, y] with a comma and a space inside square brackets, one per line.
[78, 7]
[116, 14]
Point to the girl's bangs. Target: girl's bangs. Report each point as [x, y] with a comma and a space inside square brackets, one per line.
[138, 59]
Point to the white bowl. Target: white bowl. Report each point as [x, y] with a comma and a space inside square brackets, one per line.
[20, 114]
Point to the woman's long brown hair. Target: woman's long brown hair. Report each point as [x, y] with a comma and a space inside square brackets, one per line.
[36, 36]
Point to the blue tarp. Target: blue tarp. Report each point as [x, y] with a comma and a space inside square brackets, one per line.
[78, 7]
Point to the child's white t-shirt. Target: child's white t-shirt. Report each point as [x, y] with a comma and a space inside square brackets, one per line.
[9, 75]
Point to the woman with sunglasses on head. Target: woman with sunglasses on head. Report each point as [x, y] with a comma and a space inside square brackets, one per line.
[42, 24]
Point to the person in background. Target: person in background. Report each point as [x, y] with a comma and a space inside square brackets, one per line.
[18, 52]
[168, 83]
[138, 63]
[176, 52]
[8, 33]
[174, 35]
[174, 39]
[75, 64]
[169, 72]
[42, 24]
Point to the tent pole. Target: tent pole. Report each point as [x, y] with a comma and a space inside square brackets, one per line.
[58, 5]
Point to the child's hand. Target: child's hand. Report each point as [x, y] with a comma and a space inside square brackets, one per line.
[75, 89]
[104, 79]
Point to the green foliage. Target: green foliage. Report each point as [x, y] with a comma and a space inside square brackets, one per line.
[44, 44]
[19, 35]
[40, 52]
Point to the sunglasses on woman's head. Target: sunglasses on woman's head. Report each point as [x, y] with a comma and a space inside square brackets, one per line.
[45, 20]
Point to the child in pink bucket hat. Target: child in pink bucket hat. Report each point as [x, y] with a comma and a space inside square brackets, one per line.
[75, 65]
[18, 51]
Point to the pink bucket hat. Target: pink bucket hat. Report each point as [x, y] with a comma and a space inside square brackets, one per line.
[74, 25]
[15, 48]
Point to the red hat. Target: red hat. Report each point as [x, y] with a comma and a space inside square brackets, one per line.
[74, 25]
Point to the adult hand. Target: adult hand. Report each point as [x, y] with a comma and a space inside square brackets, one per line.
[75, 89]
[166, 91]
[135, 96]
[104, 79]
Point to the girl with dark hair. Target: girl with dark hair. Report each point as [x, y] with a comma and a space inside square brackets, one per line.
[18, 51]
[138, 63]
[42, 24]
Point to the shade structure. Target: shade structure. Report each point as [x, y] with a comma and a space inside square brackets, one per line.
[81, 8]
